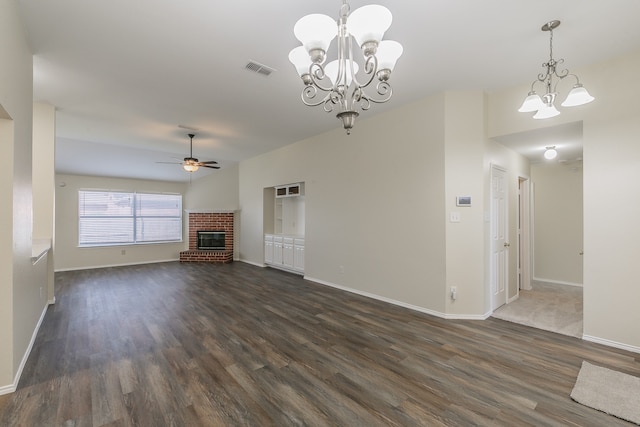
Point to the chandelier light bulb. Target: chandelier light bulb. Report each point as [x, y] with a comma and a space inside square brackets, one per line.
[299, 57]
[368, 23]
[331, 70]
[577, 96]
[547, 112]
[550, 153]
[190, 167]
[531, 103]
[388, 53]
[315, 31]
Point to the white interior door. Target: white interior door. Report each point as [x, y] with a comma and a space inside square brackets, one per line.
[499, 237]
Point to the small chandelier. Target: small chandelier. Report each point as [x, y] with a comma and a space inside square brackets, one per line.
[336, 84]
[545, 105]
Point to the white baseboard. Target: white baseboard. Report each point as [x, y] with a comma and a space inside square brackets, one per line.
[513, 298]
[12, 387]
[400, 303]
[610, 343]
[116, 265]
[251, 263]
[556, 282]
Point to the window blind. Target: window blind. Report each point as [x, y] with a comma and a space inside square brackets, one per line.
[113, 217]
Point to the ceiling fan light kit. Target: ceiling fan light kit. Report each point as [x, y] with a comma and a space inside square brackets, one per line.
[544, 105]
[191, 164]
[335, 85]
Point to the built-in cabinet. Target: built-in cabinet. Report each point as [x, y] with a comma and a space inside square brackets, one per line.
[284, 227]
[285, 252]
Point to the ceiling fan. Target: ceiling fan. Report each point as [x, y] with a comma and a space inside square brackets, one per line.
[191, 164]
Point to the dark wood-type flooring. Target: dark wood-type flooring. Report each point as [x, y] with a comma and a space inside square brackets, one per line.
[230, 345]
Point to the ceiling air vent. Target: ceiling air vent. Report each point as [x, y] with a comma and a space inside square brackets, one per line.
[259, 68]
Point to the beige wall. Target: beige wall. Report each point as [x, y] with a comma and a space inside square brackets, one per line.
[611, 175]
[465, 138]
[376, 203]
[43, 175]
[68, 256]
[557, 231]
[21, 300]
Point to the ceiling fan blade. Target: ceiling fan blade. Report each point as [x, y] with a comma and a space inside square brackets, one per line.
[210, 162]
[210, 167]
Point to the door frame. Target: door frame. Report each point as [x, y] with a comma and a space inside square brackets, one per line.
[525, 231]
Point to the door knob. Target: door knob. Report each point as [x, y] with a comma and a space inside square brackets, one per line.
[581, 252]
[506, 245]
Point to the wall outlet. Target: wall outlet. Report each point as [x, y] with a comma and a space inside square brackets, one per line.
[123, 252]
[341, 269]
[454, 293]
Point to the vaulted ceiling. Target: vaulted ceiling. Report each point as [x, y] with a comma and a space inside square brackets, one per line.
[130, 79]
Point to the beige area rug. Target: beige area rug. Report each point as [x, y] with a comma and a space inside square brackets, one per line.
[552, 307]
[611, 392]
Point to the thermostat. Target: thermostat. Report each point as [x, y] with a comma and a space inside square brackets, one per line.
[463, 201]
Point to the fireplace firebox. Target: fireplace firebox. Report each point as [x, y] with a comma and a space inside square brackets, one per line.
[211, 240]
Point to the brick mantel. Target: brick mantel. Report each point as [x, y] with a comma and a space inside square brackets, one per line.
[209, 220]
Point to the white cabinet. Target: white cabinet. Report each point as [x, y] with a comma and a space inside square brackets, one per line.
[289, 190]
[277, 249]
[287, 252]
[298, 255]
[284, 252]
[268, 249]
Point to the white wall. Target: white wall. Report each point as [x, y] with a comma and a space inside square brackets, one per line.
[21, 302]
[558, 229]
[611, 175]
[68, 256]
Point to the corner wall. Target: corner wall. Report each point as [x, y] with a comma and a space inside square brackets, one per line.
[558, 229]
[21, 301]
[611, 174]
[68, 256]
[375, 204]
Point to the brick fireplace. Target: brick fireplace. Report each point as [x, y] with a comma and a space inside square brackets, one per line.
[209, 221]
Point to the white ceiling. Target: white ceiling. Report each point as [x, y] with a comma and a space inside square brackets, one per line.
[125, 75]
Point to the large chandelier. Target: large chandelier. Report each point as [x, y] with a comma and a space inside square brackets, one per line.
[336, 85]
[545, 105]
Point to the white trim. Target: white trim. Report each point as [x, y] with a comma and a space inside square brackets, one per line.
[115, 265]
[513, 298]
[12, 387]
[246, 261]
[557, 282]
[400, 303]
[610, 343]
[211, 211]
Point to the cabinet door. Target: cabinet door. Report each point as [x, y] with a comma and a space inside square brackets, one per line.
[287, 255]
[268, 251]
[298, 258]
[277, 252]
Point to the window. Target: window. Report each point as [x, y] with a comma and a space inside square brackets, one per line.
[117, 218]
